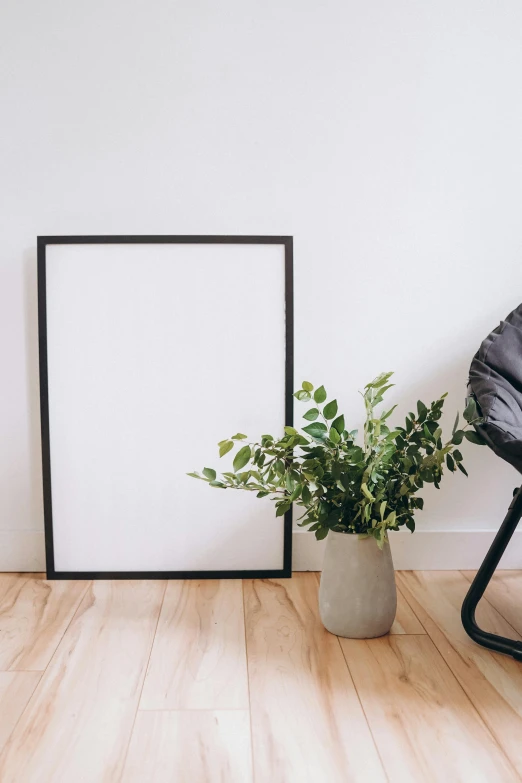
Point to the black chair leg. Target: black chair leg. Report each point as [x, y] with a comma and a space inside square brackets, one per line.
[482, 579]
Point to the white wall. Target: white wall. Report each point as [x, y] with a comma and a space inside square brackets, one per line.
[384, 136]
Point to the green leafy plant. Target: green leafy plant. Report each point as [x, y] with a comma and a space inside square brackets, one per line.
[366, 489]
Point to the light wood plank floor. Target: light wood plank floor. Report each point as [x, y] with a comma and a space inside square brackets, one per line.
[238, 682]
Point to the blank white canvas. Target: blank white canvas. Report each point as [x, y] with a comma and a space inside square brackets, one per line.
[156, 353]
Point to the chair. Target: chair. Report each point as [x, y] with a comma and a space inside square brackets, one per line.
[495, 383]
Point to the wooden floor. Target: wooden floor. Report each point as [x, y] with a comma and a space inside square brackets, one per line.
[200, 682]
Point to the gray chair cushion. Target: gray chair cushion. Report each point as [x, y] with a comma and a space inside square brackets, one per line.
[495, 381]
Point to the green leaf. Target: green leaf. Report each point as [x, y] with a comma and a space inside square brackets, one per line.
[388, 413]
[321, 533]
[383, 391]
[450, 462]
[217, 484]
[421, 408]
[391, 519]
[239, 436]
[262, 494]
[462, 468]
[330, 410]
[334, 436]
[428, 475]
[458, 437]
[317, 430]
[307, 386]
[279, 466]
[454, 430]
[290, 431]
[474, 437]
[311, 415]
[241, 458]
[320, 394]
[306, 495]
[410, 524]
[209, 473]
[290, 482]
[379, 381]
[302, 395]
[338, 424]
[282, 509]
[225, 446]
[366, 492]
[427, 433]
[296, 493]
[470, 412]
[457, 455]
[432, 427]
[195, 475]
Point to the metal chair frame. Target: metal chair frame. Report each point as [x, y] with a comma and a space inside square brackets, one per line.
[482, 579]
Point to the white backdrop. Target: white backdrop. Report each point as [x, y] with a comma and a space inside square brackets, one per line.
[384, 136]
[155, 353]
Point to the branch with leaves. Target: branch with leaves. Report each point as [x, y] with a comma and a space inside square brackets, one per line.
[366, 489]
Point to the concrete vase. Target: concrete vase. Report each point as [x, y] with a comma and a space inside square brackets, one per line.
[357, 595]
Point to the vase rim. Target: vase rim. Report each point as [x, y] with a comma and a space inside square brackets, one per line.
[351, 535]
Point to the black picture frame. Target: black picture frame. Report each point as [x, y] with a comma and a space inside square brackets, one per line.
[42, 243]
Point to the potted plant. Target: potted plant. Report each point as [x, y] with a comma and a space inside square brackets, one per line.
[353, 493]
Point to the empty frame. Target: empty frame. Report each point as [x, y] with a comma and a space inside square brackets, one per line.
[153, 349]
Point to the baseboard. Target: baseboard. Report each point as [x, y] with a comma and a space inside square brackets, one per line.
[22, 550]
[429, 550]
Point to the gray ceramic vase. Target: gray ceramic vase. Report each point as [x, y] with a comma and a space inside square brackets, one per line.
[357, 596]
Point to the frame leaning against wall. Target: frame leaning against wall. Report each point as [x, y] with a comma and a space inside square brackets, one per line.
[42, 243]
